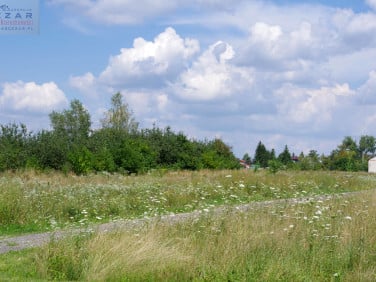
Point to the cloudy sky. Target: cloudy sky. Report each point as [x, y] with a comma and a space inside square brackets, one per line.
[295, 72]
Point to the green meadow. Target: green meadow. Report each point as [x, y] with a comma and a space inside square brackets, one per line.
[323, 239]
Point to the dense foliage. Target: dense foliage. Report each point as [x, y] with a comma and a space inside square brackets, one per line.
[348, 156]
[119, 145]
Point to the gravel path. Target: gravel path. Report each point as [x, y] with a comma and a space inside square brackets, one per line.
[17, 243]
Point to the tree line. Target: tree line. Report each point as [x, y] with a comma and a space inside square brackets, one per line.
[350, 155]
[120, 146]
[117, 146]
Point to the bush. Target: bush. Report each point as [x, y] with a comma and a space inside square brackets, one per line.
[104, 161]
[81, 160]
[274, 166]
[13, 146]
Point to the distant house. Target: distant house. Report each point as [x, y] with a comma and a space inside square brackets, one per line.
[372, 165]
[294, 158]
[244, 164]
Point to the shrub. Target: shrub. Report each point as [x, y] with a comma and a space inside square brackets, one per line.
[81, 160]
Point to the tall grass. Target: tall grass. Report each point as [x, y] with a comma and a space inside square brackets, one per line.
[324, 240]
[30, 201]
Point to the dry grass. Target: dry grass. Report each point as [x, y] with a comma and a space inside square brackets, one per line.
[149, 254]
[325, 240]
[32, 201]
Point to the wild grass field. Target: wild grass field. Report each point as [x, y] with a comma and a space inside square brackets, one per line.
[322, 240]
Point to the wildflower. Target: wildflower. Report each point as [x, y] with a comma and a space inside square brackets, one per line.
[291, 226]
[318, 212]
[348, 217]
[228, 176]
[241, 185]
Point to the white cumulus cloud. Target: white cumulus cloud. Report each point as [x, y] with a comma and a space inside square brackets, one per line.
[213, 76]
[31, 97]
[271, 47]
[302, 105]
[150, 63]
[353, 31]
[83, 83]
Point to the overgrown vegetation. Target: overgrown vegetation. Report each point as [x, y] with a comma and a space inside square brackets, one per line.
[348, 156]
[73, 176]
[323, 240]
[118, 146]
[31, 201]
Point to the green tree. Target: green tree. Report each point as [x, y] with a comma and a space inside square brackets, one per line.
[72, 125]
[285, 156]
[13, 146]
[272, 154]
[346, 157]
[262, 156]
[189, 153]
[310, 162]
[218, 155]
[48, 150]
[173, 150]
[367, 144]
[119, 117]
[344, 160]
[108, 142]
[136, 156]
[274, 165]
[348, 144]
[103, 160]
[81, 160]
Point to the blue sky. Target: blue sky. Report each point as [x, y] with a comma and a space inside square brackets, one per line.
[301, 73]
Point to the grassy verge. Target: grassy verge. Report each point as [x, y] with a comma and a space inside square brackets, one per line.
[32, 202]
[324, 240]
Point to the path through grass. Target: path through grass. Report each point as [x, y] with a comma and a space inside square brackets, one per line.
[322, 240]
[33, 202]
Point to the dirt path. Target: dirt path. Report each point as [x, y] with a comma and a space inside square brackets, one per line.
[17, 243]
